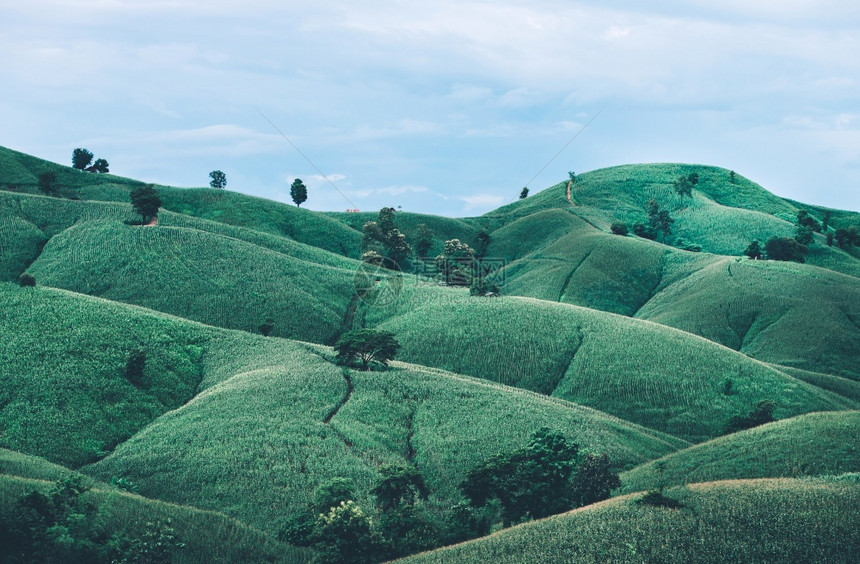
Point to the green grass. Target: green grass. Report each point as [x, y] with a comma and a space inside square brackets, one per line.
[775, 521]
[128, 514]
[842, 386]
[640, 371]
[815, 444]
[256, 445]
[63, 390]
[783, 313]
[200, 276]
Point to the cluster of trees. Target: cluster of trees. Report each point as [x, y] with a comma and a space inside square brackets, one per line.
[60, 526]
[382, 239]
[540, 479]
[795, 248]
[82, 159]
[659, 222]
[684, 184]
[545, 477]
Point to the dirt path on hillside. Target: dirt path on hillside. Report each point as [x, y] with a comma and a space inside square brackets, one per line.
[569, 183]
[349, 390]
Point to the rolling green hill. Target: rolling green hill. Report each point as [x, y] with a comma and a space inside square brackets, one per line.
[136, 359]
[257, 444]
[640, 371]
[197, 275]
[808, 445]
[775, 521]
[123, 513]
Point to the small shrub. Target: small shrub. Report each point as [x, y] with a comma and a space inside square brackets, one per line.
[135, 365]
[619, 228]
[657, 499]
[266, 327]
[26, 280]
[642, 230]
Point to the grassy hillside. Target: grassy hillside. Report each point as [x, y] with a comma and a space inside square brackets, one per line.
[255, 445]
[640, 371]
[808, 445]
[775, 521]
[197, 275]
[784, 313]
[64, 393]
[119, 512]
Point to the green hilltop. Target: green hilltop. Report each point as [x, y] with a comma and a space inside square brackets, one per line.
[641, 349]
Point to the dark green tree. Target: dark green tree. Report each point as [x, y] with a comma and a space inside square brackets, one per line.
[683, 186]
[482, 241]
[217, 179]
[425, 240]
[298, 192]
[26, 280]
[267, 327]
[803, 235]
[344, 535]
[825, 220]
[524, 193]
[399, 485]
[572, 176]
[732, 176]
[594, 480]
[81, 158]
[618, 228]
[659, 220]
[761, 414]
[644, 231]
[367, 346]
[146, 201]
[784, 248]
[48, 183]
[847, 236]
[754, 251]
[806, 220]
[456, 264]
[383, 237]
[332, 493]
[101, 166]
[135, 365]
[530, 482]
[829, 238]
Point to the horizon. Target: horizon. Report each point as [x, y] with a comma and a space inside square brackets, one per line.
[447, 109]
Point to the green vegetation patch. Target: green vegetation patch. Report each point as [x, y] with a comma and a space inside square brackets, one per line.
[814, 444]
[777, 521]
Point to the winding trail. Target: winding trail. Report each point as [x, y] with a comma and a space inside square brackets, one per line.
[349, 390]
[569, 184]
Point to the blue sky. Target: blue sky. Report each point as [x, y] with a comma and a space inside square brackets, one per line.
[443, 107]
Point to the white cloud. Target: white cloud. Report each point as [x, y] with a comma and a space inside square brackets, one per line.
[483, 202]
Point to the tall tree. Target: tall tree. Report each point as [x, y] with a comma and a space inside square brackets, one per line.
[48, 183]
[298, 192]
[524, 193]
[81, 158]
[217, 179]
[101, 165]
[367, 346]
[146, 201]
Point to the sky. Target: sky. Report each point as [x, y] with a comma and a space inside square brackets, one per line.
[437, 107]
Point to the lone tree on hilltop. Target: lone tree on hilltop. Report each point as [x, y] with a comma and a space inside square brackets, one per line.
[298, 192]
[524, 193]
[146, 201]
[81, 158]
[217, 179]
[366, 346]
